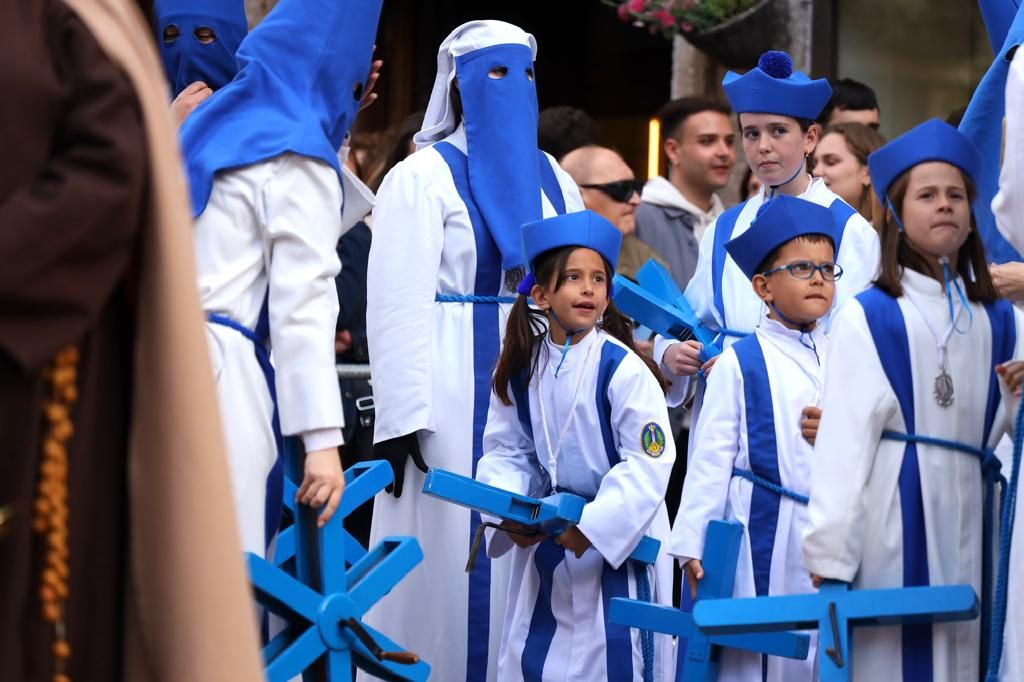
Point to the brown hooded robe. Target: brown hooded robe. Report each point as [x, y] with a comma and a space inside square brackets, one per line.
[95, 251]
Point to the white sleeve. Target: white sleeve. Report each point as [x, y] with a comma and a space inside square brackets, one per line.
[634, 489]
[357, 199]
[709, 468]
[1008, 206]
[857, 403]
[301, 212]
[509, 462]
[401, 280]
[859, 256]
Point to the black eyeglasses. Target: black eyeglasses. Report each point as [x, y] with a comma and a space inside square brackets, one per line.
[805, 269]
[620, 190]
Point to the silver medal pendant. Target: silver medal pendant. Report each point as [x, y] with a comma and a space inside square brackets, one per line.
[944, 389]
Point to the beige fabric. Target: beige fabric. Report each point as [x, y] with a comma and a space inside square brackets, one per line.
[190, 613]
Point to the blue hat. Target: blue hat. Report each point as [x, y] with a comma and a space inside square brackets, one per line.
[303, 69]
[773, 87]
[931, 141]
[785, 219]
[185, 59]
[584, 228]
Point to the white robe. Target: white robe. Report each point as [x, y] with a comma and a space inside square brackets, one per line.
[856, 529]
[1008, 207]
[421, 357]
[712, 492]
[273, 224]
[628, 502]
[858, 255]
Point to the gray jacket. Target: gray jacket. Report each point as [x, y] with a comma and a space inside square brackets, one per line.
[669, 231]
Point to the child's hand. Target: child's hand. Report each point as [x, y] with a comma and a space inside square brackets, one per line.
[816, 580]
[1013, 374]
[573, 539]
[811, 418]
[322, 483]
[694, 574]
[683, 359]
[521, 534]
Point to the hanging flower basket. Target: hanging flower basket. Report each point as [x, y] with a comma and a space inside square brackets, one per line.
[733, 32]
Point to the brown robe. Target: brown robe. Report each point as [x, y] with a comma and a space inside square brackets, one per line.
[95, 251]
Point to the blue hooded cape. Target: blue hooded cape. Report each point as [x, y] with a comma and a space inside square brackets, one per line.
[185, 59]
[983, 124]
[301, 77]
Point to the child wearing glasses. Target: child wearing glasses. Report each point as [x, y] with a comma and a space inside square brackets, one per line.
[902, 485]
[776, 107]
[752, 462]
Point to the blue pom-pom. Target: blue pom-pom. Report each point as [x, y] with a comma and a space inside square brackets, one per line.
[776, 64]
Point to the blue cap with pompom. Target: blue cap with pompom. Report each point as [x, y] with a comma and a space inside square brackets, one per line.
[774, 87]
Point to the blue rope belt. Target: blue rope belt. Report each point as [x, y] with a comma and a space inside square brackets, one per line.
[990, 472]
[779, 490]
[643, 593]
[1007, 508]
[466, 298]
[725, 331]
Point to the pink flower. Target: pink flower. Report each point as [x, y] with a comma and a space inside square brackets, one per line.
[686, 26]
[665, 18]
[624, 13]
[636, 6]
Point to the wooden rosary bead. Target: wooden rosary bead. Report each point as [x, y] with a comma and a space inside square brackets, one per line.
[61, 678]
[62, 649]
[51, 613]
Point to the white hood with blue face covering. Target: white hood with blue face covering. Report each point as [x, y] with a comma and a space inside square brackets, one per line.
[493, 63]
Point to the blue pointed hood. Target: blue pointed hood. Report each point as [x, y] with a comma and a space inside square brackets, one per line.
[983, 125]
[302, 73]
[187, 60]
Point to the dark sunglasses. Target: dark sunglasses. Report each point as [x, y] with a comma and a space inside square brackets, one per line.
[620, 190]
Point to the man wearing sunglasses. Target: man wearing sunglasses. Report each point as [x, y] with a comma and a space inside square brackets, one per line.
[610, 189]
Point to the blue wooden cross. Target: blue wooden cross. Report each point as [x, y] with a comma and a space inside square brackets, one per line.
[323, 603]
[657, 303]
[703, 651]
[834, 611]
[549, 515]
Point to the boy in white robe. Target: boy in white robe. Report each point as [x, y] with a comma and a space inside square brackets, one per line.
[261, 156]
[749, 436]
[776, 107]
[914, 358]
[443, 267]
[575, 409]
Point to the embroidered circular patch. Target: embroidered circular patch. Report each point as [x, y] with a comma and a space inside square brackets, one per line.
[652, 439]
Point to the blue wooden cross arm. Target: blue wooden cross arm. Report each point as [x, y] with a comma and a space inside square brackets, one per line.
[671, 317]
[834, 611]
[550, 515]
[701, 661]
[362, 482]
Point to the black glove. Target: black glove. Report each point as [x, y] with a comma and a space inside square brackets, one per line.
[396, 452]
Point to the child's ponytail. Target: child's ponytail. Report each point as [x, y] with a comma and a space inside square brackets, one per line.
[524, 327]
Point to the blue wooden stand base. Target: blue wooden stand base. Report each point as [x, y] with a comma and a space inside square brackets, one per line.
[701, 661]
[329, 585]
[834, 611]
